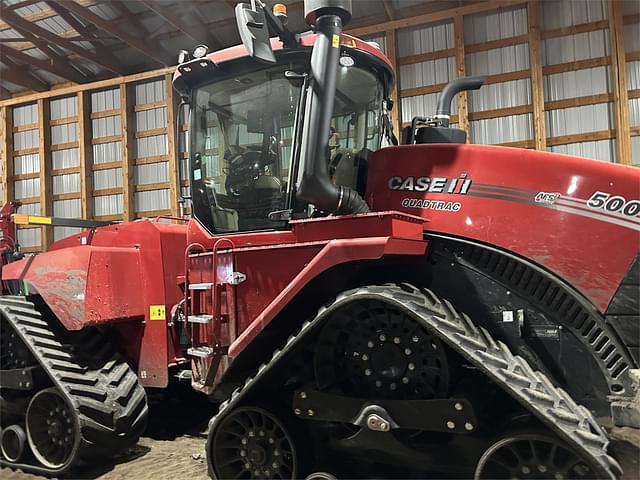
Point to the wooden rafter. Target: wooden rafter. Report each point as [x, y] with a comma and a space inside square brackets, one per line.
[388, 8]
[20, 75]
[60, 67]
[85, 34]
[198, 33]
[24, 26]
[111, 28]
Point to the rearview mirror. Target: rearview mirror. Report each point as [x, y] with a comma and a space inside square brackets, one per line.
[254, 32]
[255, 121]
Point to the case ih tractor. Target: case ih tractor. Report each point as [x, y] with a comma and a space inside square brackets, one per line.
[318, 291]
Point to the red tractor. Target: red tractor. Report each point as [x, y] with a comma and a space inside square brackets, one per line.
[318, 290]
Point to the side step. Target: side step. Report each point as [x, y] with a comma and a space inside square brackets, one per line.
[532, 389]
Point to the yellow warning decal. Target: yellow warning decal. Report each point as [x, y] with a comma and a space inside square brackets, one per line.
[157, 312]
[335, 41]
[348, 42]
[39, 220]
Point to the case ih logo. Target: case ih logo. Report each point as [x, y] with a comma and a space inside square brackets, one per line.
[455, 186]
[546, 197]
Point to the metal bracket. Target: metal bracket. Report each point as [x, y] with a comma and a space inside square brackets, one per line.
[236, 278]
[18, 378]
[440, 415]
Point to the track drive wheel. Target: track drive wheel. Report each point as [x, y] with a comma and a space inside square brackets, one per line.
[52, 429]
[252, 443]
[532, 456]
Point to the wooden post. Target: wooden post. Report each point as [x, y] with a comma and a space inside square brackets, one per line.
[392, 54]
[463, 97]
[127, 120]
[6, 153]
[174, 176]
[619, 73]
[86, 154]
[44, 152]
[537, 87]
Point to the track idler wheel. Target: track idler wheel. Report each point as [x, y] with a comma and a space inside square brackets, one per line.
[532, 456]
[251, 442]
[52, 429]
[12, 442]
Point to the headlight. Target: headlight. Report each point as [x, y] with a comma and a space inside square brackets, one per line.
[200, 51]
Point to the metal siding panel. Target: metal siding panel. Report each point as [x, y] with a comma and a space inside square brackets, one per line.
[26, 164]
[635, 150]
[572, 48]
[67, 158]
[25, 115]
[597, 150]
[632, 37]
[111, 178]
[64, 133]
[26, 139]
[105, 100]
[590, 81]
[152, 200]
[30, 209]
[495, 25]
[107, 205]
[69, 183]
[498, 60]
[512, 128]
[152, 146]
[27, 188]
[29, 237]
[106, 126]
[634, 112]
[576, 120]
[425, 38]
[501, 95]
[151, 173]
[64, 107]
[107, 152]
[633, 75]
[561, 13]
[151, 119]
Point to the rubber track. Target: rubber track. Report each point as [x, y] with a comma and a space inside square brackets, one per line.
[110, 403]
[533, 390]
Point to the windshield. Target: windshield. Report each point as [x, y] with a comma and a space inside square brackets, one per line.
[242, 147]
[243, 142]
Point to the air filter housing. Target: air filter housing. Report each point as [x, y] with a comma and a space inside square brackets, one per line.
[314, 9]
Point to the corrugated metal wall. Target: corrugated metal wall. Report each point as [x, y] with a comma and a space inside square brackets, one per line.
[26, 169]
[632, 50]
[598, 117]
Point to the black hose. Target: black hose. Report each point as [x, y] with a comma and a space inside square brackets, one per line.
[443, 111]
[314, 184]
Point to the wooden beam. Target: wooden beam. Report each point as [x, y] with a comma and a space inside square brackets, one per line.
[101, 50]
[537, 86]
[463, 107]
[388, 8]
[494, 44]
[577, 65]
[58, 65]
[195, 33]
[174, 164]
[427, 56]
[581, 137]
[128, 145]
[24, 26]
[44, 153]
[574, 29]
[86, 153]
[6, 149]
[619, 74]
[20, 75]
[101, 84]
[392, 55]
[109, 27]
[578, 101]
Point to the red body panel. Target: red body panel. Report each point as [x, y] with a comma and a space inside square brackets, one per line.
[589, 248]
[115, 274]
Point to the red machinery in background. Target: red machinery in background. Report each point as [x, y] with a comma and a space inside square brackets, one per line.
[308, 292]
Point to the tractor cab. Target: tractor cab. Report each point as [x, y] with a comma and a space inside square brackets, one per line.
[250, 127]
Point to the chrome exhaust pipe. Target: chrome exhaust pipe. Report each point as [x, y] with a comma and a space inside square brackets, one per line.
[12, 442]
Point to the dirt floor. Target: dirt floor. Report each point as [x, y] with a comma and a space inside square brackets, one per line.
[173, 447]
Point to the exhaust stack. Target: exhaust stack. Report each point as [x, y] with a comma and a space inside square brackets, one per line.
[327, 17]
